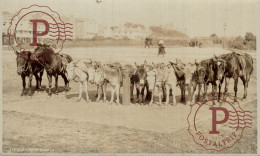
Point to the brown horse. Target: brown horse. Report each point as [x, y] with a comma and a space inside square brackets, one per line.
[53, 63]
[236, 66]
[27, 67]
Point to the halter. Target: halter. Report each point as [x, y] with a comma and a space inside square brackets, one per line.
[25, 67]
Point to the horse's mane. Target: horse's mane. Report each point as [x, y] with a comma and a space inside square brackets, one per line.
[25, 55]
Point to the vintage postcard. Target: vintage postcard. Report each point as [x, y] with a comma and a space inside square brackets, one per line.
[129, 76]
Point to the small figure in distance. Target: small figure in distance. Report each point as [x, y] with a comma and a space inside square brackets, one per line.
[161, 48]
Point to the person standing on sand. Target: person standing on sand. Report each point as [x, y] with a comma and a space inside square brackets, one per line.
[161, 48]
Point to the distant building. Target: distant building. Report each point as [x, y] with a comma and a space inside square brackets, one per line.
[82, 29]
[125, 32]
[85, 28]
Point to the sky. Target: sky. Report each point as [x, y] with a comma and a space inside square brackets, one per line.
[194, 17]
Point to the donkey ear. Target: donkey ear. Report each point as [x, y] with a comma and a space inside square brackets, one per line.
[176, 60]
[153, 64]
[215, 56]
[145, 64]
[136, 65]
[196, 63]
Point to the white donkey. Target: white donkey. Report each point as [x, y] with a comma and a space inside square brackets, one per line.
[165, 80]
[80, 71]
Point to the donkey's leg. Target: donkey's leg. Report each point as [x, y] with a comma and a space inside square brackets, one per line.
[167, 87]
[189, 87]
[117, 93]
[235, 87]
[137, 86]
[49, 76]
[174, 102]
[86, 89]
[30, 83]
[80, 91]
[56, 84]
[159, 94]
[142, 93]
[194, 87]
[245, 86]
[98, 93]
[183, 92]
[104, 89]
[132, 91]
[152, 93]
[24, 85]
[112, 94]
[199, 90]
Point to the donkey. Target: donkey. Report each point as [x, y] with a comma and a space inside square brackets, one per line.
[184, 74]
[27, 67]
[53, 63]
[165, 80]
[197, 80]
[81, 71]
[235, 66]
[104, 75]
[140, 81]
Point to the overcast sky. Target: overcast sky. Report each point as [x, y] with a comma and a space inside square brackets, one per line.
[196, 17]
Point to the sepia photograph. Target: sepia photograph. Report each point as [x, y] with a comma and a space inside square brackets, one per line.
[129, 76]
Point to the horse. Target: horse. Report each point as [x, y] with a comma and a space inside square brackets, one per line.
[165, 80]
[209, 74]
[236, 66]
[53, 63]
[104, 75]
[81, 71]
[26, 67]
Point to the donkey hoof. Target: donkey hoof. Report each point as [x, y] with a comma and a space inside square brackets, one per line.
[23, 93]
[78, 100]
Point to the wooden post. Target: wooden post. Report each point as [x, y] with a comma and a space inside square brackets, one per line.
[126, 88]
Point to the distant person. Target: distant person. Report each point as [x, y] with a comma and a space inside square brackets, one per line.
[161, 48]
[147, 42]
